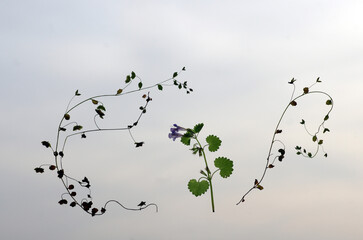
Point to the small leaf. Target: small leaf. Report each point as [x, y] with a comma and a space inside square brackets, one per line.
[83, 135]
[271, 166]
[73, 204]
[140, 85]
[46, 144]
[197, 128]
[144, 96]
[183, 69]
[325, 155]
[302, 121]
[175, 75]
[67, 116]
[256, 182]
[278, 131]
[225, 166]
[214, 143]
[133, 75]
[62, 129]
[77, 127]
[185, 140]
[315, 138]
[103, 210]
[52, 167]
[63, 201]
[310, 155]
[329, 102]
[320, 142]
[259, 187]
[142, 203]
[100, 113]
[292, 81]
[77, 93]
[298, 148]
[318, 79]
[293, 103]
[326, 130]
[101, 107]
[55, 153]
[94, 101]
[160, 87]
[281, 151]
[60, 173]
[128, 79]
[70, 187]
[39, 170]
[281, 157]
[119, 91]
[61, 154]
[139, 144]
[198, 188]
[306, 90]
[73, 194]
[326, 117]
[298, 153]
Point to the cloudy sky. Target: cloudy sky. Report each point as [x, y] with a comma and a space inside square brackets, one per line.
[239, 56]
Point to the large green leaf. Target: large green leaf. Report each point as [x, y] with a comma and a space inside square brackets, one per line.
[225, 166]
[214, 143]
[198, 127]
[198, 188]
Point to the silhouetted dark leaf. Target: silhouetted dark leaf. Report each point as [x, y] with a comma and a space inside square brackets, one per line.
[183, 69]
[315, 138]
[292, 81]
[310, 155]
[293, 103]
[320, 142]
[63, 201]
[100, 113]
[83, 135]
[325, 155]
[46, 144]
[73, 204]
[139, 144]
[128, 79]
[256, 182]
[271, 166]
[67, 116]
[306, 90]
[39, 170]
[95, 102]
[278, 131]
[175, 75]
[94, 211]
[281, 151]
[77, 93]
[55, 154]
[326, 117]
[302, 121]
[52, 167]
[142, 203]
[329, 102]
[62, 129]
[318, 79]
[160, 87]
[60, 173]
[85, 180]
[298, 148]
[103, 210]
[73, 194]
[144, 96]
[140, 85]
[133, 75]
[148, 99]
[61, 154]
[281, 157]
[326, 130]
[71, 186]
[101, 107]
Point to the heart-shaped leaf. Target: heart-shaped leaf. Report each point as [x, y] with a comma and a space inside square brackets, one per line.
[214, 143]
[198, 188]
[225, 166]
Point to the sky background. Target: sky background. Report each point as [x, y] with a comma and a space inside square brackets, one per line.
[239, 56]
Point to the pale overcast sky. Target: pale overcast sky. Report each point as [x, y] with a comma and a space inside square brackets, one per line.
[239, 56]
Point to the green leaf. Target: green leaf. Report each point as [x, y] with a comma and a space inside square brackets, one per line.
[77, 127]
[128, 79]
[259, 186]
[315, 138]
[119, 91]
[198, 127]
[310, 155]
[326, 117]
[298, 148]
[320, 142]
[175, 75]
[185, 140]
[94, 101]
[133, 75]
[225, 165]
[293, 103]
[140, 85]
[214, 143]
[329, 102]
[101, 107]
[198, 188]
[160, 87]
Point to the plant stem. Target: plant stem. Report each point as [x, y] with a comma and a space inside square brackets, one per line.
[209, 174]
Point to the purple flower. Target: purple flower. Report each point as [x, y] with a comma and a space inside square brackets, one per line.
[174, 132]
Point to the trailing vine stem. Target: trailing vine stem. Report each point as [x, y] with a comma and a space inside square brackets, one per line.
[292, 103]
[86, 203]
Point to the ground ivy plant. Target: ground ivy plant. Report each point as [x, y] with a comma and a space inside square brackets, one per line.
[316, 136]
[224, 165]
[69, 127]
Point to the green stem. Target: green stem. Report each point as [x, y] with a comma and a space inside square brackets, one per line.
[209, 174]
